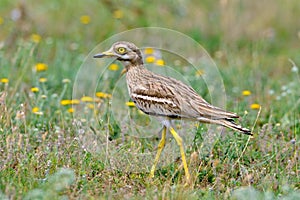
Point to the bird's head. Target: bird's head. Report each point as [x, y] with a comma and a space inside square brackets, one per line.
[123, 51]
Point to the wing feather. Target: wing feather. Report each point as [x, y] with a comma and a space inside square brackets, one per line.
[172, 98]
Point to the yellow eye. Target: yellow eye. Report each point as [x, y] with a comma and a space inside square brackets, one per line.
[121, 50]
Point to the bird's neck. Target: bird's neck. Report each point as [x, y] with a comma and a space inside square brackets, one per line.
[134, 76]
[133, 64]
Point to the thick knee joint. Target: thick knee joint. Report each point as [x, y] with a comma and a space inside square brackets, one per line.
[161, 144]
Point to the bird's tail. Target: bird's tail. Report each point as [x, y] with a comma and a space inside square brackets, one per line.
[231, 124]
[227, 122]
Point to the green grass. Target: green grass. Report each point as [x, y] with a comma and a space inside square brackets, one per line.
[95, 154]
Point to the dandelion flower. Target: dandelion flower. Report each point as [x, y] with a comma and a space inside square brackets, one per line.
[113, 67]
[39, 67]
[148, 51]
[255, 106]
[85, 19]
[160, 62]
[75, 101]
[43, 80]
[246, 93]
[4, 80]
[36, 38]
[87, 99]
[35, 109]
[71, 110]
[103, 95]
[35, 89]
[150, 59]
[118, 14]
[65, 102]
[130, 104]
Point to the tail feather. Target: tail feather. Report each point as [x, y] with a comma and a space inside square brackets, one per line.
[231, 124]
[227, 122]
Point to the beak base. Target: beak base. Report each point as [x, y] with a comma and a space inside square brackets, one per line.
[103, 54]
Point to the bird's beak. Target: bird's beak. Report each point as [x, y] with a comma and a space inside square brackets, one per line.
[104, 54]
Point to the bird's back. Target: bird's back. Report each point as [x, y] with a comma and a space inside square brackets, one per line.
[165, 96]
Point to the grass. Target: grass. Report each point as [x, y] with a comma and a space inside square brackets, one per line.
[48, 150]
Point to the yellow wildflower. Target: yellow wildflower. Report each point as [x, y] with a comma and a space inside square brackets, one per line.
[246, 93]
[199, 72]
[87, 99]
[4, 80]
[255, 106]
[150, 59]
[35, 89]
[118, 14]
[148, 51]
[35, 109]
[71, 110]
[1, 20]
[75, 101]
[85, 19]
[130, 104]
[43, 80]
[41, 67]
[65, 102]
[103, 95]
[160, 62]
[36, 38]
[113, 67]
[90, 106]
[44, 96]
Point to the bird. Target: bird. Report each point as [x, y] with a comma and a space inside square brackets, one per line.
[166, 98]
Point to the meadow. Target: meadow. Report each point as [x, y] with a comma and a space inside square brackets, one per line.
[58, 143]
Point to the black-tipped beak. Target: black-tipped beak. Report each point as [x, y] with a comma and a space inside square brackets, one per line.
[99, 55]
[104, 54]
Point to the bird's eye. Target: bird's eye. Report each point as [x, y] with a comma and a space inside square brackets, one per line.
[121, 50]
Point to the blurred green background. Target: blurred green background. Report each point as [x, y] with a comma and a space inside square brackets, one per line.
[264, 32]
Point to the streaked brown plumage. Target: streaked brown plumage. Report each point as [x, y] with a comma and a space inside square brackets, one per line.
[165, 97]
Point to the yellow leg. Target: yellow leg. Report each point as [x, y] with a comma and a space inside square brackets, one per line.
[179, 142]
[160, 147]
